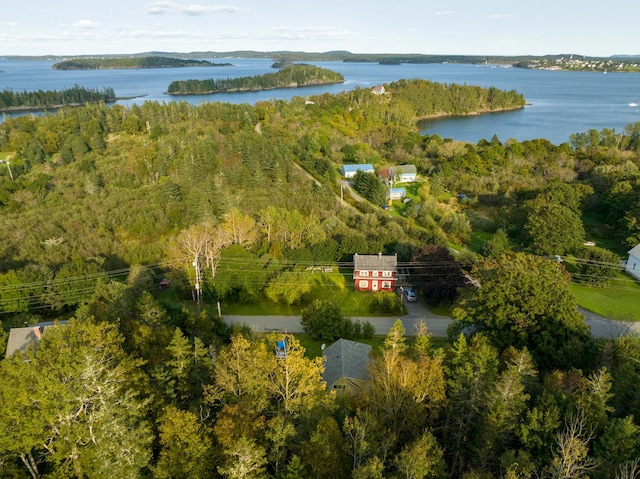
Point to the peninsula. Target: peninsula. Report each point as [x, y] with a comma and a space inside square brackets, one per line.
[293, 76]
[11, 101]
[132, 62]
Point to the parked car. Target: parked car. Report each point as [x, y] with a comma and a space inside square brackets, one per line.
[410, 294]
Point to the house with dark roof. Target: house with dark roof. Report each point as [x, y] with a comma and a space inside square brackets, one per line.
[22, 339]
[346, 366]
[633, 263]
[375, 272]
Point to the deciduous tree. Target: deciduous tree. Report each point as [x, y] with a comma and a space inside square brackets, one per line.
[524, 301]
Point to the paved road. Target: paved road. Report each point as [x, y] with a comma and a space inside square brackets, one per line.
[606, 328]
[437, 325]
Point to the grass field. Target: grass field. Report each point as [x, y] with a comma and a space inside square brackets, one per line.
[620, 302]
[335, 286]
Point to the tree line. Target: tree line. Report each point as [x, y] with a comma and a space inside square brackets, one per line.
[292, 76]
[132, 62]
[40, 99]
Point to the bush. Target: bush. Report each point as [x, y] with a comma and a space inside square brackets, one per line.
[368, 330]
[385, 302]
[323, 321]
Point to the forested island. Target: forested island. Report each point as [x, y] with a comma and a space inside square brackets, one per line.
[568, 61]
[292, 76]
[132, 62]
[43, 99]
[134, 224]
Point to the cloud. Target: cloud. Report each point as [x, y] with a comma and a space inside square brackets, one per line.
[85, 24]
[191, 9]
[9, 24]
[443, 12]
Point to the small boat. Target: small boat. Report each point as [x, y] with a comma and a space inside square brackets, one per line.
[633, 104]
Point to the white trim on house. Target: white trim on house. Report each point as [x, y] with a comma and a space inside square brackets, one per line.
[633, 263]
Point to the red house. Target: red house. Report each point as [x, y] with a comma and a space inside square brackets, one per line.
[375, 272]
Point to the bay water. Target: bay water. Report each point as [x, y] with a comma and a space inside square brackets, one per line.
[559, 103]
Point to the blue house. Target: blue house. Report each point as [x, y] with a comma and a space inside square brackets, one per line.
[349, 171]
[396, 193]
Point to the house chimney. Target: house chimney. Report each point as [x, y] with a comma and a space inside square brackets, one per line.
[380, 254]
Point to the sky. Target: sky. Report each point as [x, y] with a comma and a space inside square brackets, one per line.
[439, 27]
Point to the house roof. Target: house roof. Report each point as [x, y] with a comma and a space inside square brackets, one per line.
[20, 339]
[405, 169]
[356, 167]
[346, 359]
[375, 262]
[635, 251]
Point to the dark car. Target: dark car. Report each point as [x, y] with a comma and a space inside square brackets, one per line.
[410, 294]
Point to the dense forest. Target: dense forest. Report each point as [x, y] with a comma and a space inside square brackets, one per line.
[232, 203]
[132, 62]
[293, 76]
[77, 95]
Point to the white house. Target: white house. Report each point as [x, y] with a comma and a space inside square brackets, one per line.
[396, 193]
[349, 171]
[378, 90]
[633, 263]
[405, 173]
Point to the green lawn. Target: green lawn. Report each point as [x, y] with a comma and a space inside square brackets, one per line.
[619, 301]
[336, 286]
[603, 236]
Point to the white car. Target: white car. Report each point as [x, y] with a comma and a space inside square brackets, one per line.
[410, 294]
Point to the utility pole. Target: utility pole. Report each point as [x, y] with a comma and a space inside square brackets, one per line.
[8, 168]
[196, 265]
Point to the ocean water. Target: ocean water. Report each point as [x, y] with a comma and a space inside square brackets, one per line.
[559, 103]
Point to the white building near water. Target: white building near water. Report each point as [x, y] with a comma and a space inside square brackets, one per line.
[633, 263]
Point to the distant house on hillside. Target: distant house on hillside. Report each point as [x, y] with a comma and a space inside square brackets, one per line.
[405, 173]
[375, 272]
[396, 193]
[378, 90]
[345, 366]
[633, 263]
[349, 171]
